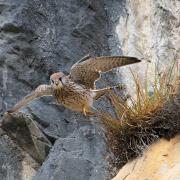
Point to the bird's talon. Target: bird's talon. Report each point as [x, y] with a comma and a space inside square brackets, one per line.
[121, 86]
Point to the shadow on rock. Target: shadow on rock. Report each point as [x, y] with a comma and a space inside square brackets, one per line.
[25, 132]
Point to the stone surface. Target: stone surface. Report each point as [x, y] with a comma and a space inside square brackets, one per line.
[41, 37]
[24, 131]
[161, 162]
[149, 30]
[36, 39]
[14, 163]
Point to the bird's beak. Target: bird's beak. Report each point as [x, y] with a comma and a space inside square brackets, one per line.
[57, 85]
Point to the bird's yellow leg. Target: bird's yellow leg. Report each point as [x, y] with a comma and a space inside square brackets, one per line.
[84, 111]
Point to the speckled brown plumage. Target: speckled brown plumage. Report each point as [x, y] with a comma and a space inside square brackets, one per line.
[76, 91]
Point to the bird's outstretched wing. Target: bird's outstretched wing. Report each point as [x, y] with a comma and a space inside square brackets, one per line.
[42, 90]
[88, 71]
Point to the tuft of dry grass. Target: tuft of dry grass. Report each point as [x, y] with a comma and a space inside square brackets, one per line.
[138, 122]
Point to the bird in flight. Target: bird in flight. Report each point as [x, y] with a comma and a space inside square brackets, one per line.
[77, 90]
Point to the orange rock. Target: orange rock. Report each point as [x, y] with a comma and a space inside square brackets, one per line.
[161, 161]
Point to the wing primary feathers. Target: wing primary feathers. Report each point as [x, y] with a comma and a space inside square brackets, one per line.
[42, 90]
[85, 58]
[81, 60]
[87, 71]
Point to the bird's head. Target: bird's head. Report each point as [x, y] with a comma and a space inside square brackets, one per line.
[57, 80]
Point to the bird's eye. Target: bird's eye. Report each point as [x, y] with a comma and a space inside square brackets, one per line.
[52, 81]
[60, 78]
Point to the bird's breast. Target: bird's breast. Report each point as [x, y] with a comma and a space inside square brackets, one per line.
[73, 95]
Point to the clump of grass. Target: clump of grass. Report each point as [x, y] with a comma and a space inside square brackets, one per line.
[143, 119]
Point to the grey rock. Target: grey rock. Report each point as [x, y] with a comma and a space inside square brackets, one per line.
[41, 37]
[149, 30]
[24, 132]
[37, 39]
[8, 163]
[14, 163]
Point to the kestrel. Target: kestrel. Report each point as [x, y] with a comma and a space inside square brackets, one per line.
[77, 90]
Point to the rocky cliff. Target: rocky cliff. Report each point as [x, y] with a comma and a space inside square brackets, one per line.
[149, 30]
[41, 37]
[38, 38]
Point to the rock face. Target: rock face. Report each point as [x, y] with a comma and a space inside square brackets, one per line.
[15, 164]
[41, 37]
[149, 30]
[25, 132]
[160, 161]
[36, 39]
